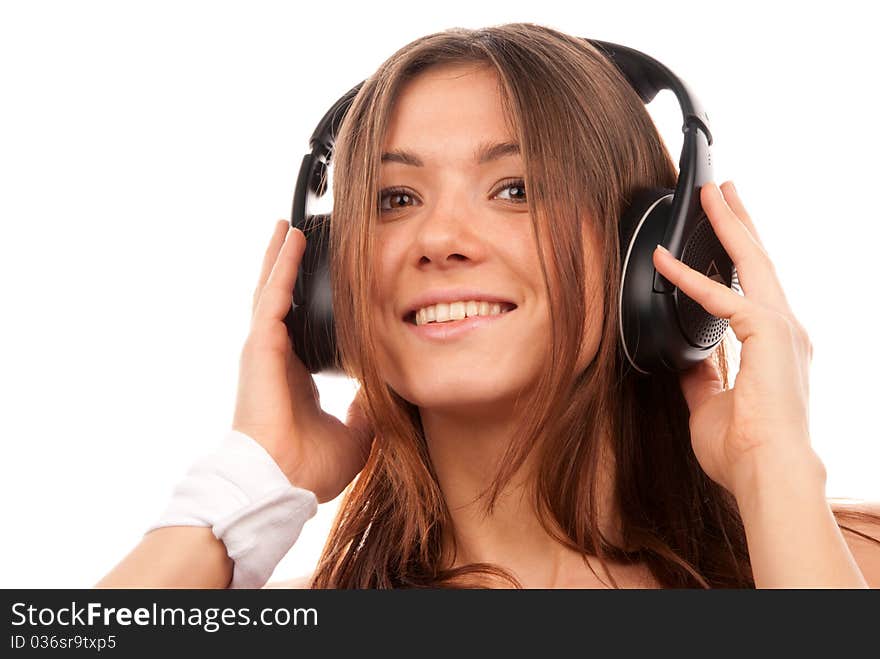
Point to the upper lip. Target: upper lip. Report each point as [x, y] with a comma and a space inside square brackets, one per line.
[428, 298]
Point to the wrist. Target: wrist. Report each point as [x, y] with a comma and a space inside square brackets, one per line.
[793, 538]
[298, 477]
[291, 465]
[779, 472]
[283, 454]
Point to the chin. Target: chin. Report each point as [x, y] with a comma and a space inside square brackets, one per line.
[447, 389]
[463, 374]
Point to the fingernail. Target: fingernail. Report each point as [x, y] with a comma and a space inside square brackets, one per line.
[662, 248]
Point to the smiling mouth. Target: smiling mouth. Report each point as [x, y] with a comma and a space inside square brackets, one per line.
[411, 317]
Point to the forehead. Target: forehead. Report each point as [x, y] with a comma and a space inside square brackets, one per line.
[448, 108]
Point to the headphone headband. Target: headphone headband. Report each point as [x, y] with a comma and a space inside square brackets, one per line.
[648, 76]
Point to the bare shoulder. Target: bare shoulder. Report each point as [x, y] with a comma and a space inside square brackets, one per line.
[861, 518]
[303, 582]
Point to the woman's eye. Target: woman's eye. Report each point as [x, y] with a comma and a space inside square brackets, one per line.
[393, 199]
[394, 196]
[519, 186]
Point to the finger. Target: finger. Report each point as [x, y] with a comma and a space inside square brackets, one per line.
[269, 258]
[700, 383]
[713, 296]
[277, 294]
[756, 273]
[731, 196]
[744, 314]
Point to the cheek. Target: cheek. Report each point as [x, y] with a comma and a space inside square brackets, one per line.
[387, 356]
[389, 330]
[387, 260]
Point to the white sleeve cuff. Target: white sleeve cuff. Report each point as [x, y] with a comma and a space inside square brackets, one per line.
[241, 492]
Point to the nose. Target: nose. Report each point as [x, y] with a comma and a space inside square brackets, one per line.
[447, 233]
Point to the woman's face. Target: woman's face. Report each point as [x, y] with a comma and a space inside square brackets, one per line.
[459, 226]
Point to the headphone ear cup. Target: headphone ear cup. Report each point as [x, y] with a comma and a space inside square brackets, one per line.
[634, 213]
[658, 330]
[310, 321]
[642, 225]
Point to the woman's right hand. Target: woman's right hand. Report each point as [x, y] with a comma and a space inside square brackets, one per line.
[277, 403]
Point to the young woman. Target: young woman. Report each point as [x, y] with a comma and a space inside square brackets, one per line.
[491, 167]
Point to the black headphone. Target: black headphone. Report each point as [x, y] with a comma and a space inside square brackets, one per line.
[660, 327]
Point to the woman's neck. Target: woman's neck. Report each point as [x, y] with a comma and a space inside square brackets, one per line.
[465, 456]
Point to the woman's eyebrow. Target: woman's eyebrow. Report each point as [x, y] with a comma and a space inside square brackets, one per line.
[485, 152]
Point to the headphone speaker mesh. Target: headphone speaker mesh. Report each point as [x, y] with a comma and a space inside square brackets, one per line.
[704, 253]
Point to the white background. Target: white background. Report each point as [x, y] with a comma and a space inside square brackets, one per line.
[147, 150]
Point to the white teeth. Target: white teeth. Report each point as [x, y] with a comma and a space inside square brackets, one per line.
[442, 312]
[448, 311]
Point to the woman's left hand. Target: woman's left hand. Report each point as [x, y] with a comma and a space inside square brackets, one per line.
[763, 421]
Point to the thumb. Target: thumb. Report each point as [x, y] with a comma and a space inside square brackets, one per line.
[700, 382]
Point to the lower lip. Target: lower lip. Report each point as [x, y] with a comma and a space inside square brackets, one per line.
[455, 329]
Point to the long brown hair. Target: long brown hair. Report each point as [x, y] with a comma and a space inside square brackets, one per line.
[588, 145]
